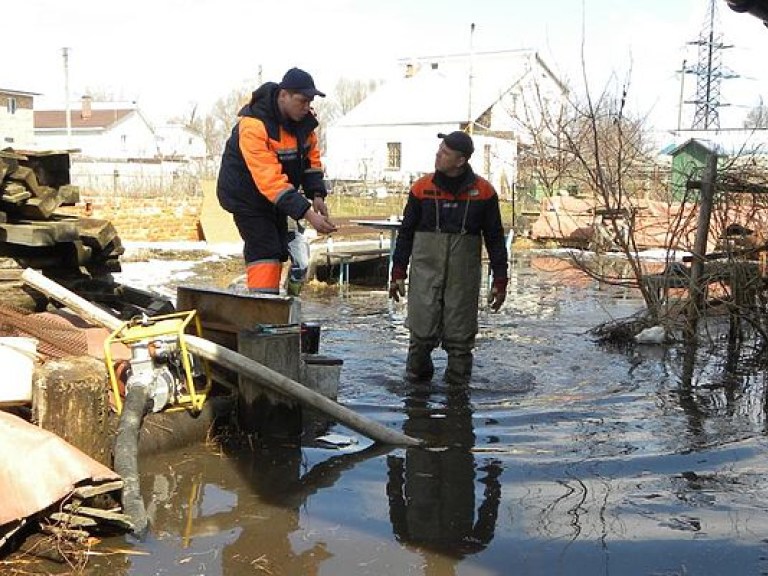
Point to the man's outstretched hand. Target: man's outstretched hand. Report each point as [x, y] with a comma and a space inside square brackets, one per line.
[319, 222]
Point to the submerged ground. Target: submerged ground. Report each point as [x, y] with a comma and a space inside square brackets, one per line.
[562, 457]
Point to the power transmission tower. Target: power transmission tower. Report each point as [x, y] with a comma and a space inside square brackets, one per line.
[709, 72]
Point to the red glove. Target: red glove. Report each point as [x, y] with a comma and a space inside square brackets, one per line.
[397, 283]
[498, 293]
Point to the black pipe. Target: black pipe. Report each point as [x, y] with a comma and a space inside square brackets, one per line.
[126, 450]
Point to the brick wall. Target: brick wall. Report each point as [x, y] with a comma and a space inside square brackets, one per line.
[144, 219]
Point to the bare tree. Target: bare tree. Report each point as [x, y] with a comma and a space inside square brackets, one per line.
[542, 156]
[345, 96]
[757, 117]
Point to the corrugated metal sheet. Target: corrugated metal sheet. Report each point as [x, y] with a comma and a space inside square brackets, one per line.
[39, 468]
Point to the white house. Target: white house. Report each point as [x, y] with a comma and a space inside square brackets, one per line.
[113, 130]
[16, 120]
[116, 148]
[391, 135]
[176, 141]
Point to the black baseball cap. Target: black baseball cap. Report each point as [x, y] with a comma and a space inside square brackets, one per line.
[300, 81]
[459, 141]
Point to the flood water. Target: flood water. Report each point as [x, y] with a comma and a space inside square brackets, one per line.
[562, 457]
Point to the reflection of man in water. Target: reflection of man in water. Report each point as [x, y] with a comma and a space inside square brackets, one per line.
[275, 473]
[432, 492]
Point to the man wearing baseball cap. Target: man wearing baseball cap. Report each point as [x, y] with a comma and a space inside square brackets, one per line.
[447, 218]
[271, 157]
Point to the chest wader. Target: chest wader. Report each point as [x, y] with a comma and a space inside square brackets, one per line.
[443, 292]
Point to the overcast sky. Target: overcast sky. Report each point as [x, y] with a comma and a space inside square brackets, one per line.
[169, 55]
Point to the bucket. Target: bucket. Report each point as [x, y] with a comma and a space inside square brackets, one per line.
[17, 357]
[310, 337]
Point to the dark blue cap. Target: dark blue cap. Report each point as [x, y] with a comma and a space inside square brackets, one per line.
[299, 81]
[459, 141]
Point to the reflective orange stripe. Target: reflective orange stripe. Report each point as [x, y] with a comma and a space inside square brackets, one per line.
[264, 276]
[262, 157]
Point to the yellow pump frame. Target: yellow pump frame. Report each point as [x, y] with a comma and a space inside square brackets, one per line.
[169, 324]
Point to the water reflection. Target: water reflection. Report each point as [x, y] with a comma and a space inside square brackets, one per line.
[277, 474]
[238, 512]
[431, 491]
[641, 461]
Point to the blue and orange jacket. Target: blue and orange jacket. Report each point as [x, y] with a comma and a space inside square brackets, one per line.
[267, 159]
[471, 208]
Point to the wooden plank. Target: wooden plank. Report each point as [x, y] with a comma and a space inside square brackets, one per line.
[7, 155]
[38, 233]
[26, 176]
[16, 196]
[41, 207]
[13, 188]
[10, 274]
[69, 194]
[91, 490]
[96, 232]
[100, 515]
[74, 520]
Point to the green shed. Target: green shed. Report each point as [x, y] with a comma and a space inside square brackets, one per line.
[688, 161]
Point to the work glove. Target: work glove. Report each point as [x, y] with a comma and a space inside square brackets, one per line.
[397, 283]
[497, 293]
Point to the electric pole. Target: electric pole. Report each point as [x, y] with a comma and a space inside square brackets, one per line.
[67, 106]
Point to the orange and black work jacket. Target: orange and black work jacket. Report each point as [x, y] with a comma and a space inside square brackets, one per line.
[467, 204]
[267, 159]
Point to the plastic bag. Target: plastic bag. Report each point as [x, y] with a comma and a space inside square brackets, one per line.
[298, 250]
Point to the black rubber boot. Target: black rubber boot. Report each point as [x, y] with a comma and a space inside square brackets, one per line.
[459, 369]
[418, 366]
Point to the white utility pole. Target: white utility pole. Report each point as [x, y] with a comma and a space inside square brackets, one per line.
[470, 120]
[67, 106]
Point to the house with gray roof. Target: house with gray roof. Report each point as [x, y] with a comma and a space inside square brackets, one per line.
[391, 136]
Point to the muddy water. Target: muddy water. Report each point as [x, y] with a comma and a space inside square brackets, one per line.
[562, 457]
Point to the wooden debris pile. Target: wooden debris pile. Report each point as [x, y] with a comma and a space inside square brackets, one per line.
[67, 530]
[33, 186]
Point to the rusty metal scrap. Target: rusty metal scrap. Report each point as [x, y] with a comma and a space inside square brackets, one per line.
[56, 337]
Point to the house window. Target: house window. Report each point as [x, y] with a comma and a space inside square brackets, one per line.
[487, 160]
[11, 105]
[393, 155]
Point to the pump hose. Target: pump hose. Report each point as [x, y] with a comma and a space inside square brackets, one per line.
[126, 450]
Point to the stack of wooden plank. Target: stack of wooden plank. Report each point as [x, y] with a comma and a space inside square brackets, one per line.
[33, 186]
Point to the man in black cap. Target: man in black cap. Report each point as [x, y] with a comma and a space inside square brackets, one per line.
[270, 156]
[449, 214]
